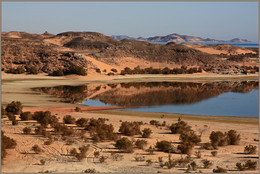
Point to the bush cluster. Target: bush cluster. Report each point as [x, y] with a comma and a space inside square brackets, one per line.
[146, 132]
[166, 70]
[250, 149]
[249, 165]
[14, 107]
[157, 123]
[81, 154]
[6, 143]
[219, 170]
[45, 118]
[219, 138]
[18, 70]
[164, 146]
[27, 130]
[68, 119]
[141, 144]
[100, 131]
[180, 127]
[82, 122]
[73, 69]
[130, 128]
[24, 116]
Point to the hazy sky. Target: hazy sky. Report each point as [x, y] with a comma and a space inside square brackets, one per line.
[217, 20]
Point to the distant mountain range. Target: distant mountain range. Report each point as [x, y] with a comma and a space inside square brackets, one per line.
[175, 38]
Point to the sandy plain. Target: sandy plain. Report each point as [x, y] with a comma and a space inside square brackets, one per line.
[18, 88]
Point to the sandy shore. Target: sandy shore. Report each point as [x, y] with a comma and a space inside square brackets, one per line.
[18, 87]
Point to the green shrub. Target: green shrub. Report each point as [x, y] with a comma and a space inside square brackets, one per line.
[125, 144]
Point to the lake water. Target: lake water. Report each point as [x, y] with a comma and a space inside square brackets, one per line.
[239, 98]
[238, 44]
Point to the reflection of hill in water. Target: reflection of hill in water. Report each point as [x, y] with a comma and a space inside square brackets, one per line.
[148, 93]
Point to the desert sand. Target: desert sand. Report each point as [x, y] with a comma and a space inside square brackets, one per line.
[23, 160]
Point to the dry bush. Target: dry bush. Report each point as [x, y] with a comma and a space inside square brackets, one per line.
[164, 146]
[83, 151]
[146, 133]
[45, 118]
[125, 144]
[182, 162]
[14, 122]
[68, 119]
[139, 158]
[149, 162]
[206, 163]
[250, 149]
[219, 170]
[130, 128]
[150, 150]
[155, 123]
[170, 163]
[102, 159]
[198, 154]
[96, 154]
[90, 171]
[14, 107]
[218, 138]
[116, 157]
[180, 127]
[185, 147]
[64, 130]
[27, 130]
[3, 111]
[249, 165]
[189, 137]
[48, 142]
[73, 152]
[77, 109]
[234, 137]
[214, 153]
[82, 122]
[24, 116]
[6, 143]
[207, 146]
[141, 144]
[42, 162]
[194, 165]
[39, 130]
[37, 149]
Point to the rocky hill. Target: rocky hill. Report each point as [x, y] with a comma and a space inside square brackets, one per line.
[93, 50]
[176, 38]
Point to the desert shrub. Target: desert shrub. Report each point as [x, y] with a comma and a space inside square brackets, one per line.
[185, 147]
[18, 70]
[194, 165]
[164, 146]
[59, 72]
[125, 144]
[110, 74]
[27, 130]
[45, 118]
[36, 149]
[114, 70]
[214, 153]
[68, 119]
[116, 157]
[149, 162]
[48, 142]
[249, 165]
[206, 163]
[77, 109]
[218, 139]
[96, 154]
[141, 144]
[73, 152]
[82, 122]
[90, 171]
[98, 70]
[170, 163]
[130, 128]
[155, 122]
[146, 133]
[32, 70]
[14, 107]
[150, 150]
[64, 130]
[198, 154]
[39, 130]
[11, 116]
[69, 141]
[42, 162]
[234, 137]
[6, 143]
[139, 158]
[3, 111]
[102, 159]
[180, 127]
[182, 162]
[189, 137]
[219, 170]
[207, 146]
[24, 116]
[73, 69]
[250, 149]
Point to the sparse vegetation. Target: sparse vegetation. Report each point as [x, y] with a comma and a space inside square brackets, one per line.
[146, 133]
[82, 122]
[141, 144]
[249, 165]
[37, 149]
[250, 149]
[6, 143]
[27, 130]
[125, 144]
[164, 146]
[180, 127]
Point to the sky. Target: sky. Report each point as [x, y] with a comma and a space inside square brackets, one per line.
[216, 20]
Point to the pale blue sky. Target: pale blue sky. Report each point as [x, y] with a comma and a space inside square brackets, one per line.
[217, 20]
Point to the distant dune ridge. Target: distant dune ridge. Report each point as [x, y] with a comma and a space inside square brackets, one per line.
[92, 50]
[175, 38]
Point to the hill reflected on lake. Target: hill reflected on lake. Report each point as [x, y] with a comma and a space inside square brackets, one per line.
[137, 94]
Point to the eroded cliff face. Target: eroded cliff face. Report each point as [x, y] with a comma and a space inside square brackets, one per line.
[147, 93]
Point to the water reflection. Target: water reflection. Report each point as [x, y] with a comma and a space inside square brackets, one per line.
[147, 93]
